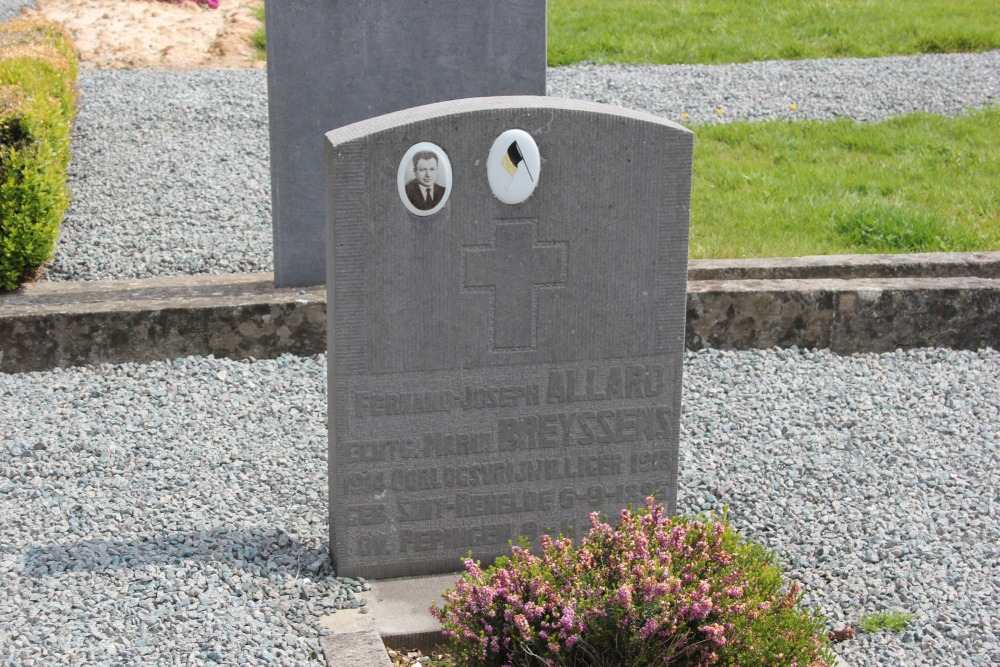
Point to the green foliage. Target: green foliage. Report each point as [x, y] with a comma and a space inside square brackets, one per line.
[39, 56]
[259, 38]
[37, 107]
[877, 225]
[652, 591]
[918, 183]
[894, 621]
[723, 31]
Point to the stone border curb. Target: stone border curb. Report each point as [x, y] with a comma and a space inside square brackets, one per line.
[50, 325]
[846, 316]
[809, 302]
[355, 648]
[846, 267]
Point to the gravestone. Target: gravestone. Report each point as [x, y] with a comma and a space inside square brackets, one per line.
[499, 369]
[332, 62]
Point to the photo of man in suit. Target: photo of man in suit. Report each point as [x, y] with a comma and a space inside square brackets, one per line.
[423, 191]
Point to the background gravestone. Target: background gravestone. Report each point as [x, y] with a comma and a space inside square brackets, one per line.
[498, 370]
[335, 62]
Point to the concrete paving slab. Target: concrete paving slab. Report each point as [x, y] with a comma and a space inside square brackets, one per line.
[355, 649]
[399, 611]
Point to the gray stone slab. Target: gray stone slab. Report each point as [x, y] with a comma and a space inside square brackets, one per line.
[502, 370]
[399, 611]
[331, 63]
[355, 649]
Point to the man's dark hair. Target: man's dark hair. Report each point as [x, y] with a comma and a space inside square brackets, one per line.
[424, 155]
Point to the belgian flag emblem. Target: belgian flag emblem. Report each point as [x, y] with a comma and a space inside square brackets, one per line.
[513, 166]
[514, 160]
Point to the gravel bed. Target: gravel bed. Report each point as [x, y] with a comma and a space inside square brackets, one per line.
[169, 176]
[174, 513]
[11, 8]
[170, 169]
[869, 89]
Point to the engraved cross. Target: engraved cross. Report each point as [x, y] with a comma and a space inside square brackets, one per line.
[513, 269]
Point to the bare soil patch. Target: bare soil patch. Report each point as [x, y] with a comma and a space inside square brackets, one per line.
[126, 34]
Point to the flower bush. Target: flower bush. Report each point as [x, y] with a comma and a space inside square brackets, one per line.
[652, 591]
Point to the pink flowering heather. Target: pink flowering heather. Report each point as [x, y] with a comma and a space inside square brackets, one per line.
[652, 591]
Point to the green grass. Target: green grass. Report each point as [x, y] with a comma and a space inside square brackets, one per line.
[727, 31]
[894, 621]
[918, 183]
[259, 38]
[912, 184]
[732, 31]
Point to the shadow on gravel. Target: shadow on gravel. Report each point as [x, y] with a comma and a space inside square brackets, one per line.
[257, 551]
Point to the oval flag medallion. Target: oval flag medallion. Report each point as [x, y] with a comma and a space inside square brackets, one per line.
[513, 166]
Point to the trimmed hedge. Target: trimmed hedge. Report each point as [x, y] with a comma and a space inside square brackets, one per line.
[38, 70]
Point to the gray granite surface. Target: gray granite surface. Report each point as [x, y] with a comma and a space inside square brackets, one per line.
[508, 336]
[331, 64]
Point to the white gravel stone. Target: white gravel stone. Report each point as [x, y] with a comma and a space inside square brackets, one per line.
[11, 8]
[175, 512]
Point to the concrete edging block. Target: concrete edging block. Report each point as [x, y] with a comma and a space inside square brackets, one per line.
[52, 325]
[845, 316]
[355, 648]
[850, 267]
[398, 610]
